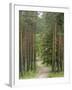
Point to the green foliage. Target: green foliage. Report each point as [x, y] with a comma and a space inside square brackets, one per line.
[56, 74]
[28, 75]
[52, 33]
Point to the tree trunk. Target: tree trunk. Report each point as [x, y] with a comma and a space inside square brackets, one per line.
[21, 55]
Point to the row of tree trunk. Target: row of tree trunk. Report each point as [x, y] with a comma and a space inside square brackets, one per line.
[58, 49]
[27, 58]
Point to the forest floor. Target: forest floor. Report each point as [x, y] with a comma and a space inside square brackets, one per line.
[42, 70]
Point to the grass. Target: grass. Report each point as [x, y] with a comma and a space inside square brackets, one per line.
[56, 74]
[28, 75]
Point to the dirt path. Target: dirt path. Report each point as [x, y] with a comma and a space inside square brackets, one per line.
[42, 70]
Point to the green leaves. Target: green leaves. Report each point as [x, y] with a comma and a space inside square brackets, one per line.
[51, 39]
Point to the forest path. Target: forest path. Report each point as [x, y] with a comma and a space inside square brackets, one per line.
[42, 70]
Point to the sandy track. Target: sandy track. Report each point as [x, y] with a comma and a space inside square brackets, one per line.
[42, 70]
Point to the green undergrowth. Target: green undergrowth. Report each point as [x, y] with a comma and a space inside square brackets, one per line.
[28, 75]
[56, 74]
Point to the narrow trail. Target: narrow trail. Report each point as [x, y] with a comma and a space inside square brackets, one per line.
[42, 70]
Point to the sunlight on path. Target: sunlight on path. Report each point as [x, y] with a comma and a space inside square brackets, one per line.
[42, 70]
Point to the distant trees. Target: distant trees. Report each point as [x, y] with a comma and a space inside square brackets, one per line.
[53, 41]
